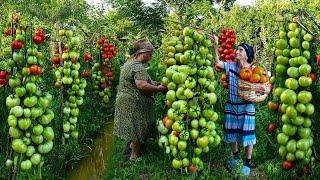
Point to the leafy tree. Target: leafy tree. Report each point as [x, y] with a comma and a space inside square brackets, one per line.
[148, 19]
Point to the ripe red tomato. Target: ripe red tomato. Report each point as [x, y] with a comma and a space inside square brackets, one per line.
[287, 165]
[3, 81]
[100, 41]
[56, 60]
[318, 57]
[221, 50]
[313, 76]
[87, 56]
[39, 32]
[229, 41]
[110, 56]
[228, 46]
[272, 127]
[35, 70]
[85, 74]
[37, 39]
[228, 34]
[232, 56]
[16, 45]
[223, 38]
[192, 168]
[245, 73]
[3, 74]
[104, 56]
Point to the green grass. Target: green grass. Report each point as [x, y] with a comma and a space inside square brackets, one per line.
[154, 164]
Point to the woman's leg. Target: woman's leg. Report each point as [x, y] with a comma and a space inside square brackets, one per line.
[135, 145]
[127, 150]
[235, 150]
[234, 147]
[248, 150]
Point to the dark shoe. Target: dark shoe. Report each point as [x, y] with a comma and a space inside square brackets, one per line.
[127, 151]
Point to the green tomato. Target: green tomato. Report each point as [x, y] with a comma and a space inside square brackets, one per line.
[24, 123]
[26, 165]
[182, 145]
[12, 101]
[12, 121]
[194, 133]
[202, 141]
[35, 159]
[176, 163]
[19, 146]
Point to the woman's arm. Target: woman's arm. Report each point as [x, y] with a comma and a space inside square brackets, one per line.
[156, 83]
[149, 88]
[218, 63]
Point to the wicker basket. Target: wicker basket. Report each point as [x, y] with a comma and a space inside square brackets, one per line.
[253, 92]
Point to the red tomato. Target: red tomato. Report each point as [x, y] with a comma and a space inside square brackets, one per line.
[272, 127]
[87, 56]
[192, 168]
[287, 165]
[35, 70]
[3, 81]
[56, 60]
[109, 74]
[16, 45]
[100, 41]
[313, 76]
[228, 34]
[104, 56]
[37, 39]
[3, 74]
[85, 74]
[231, 56]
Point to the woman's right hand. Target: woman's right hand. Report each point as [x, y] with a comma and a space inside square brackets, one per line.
[162, 88]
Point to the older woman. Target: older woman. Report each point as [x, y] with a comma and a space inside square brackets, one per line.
[134, 112]
[239, 115]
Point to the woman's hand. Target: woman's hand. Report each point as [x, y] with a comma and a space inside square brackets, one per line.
[150, 88]
[162, 88]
